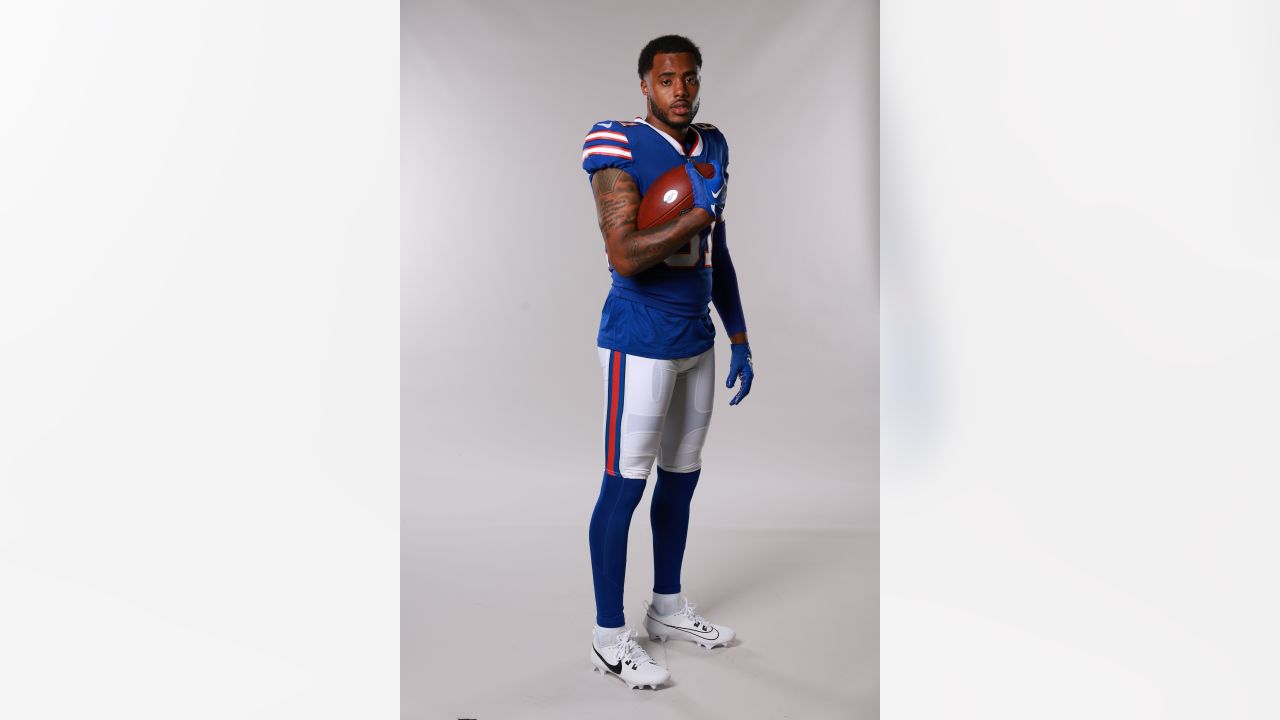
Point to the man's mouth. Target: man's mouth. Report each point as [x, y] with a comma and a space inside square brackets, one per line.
[680, 109]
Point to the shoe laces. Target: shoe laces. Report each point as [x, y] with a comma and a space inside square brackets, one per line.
[693, 617]
[630, 650]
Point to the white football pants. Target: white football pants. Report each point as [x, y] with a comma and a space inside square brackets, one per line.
[655, 409]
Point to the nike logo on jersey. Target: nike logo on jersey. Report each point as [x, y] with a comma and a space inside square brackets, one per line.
[616, 668]
[606, 125]
[716, 194]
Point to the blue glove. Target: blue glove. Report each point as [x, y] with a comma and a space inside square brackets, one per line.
[740, 364]
[708, 193]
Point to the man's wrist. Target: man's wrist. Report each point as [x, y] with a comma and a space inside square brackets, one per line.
[702, 215]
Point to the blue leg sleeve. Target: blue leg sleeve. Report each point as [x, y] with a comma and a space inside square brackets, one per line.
[610, 523]
[669, 515]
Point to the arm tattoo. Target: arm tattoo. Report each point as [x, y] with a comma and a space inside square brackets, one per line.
[647, 254]
[617, 199]
[617, 205]
[608, 178]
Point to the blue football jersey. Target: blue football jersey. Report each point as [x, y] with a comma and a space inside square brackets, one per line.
[661, 312]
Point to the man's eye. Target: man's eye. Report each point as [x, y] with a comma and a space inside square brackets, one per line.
[666, 82]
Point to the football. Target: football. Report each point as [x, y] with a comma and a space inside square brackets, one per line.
[669, 196]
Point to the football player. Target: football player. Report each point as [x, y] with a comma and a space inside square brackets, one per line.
[656, 347]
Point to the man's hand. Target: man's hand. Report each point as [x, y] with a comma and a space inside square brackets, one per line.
[740, 365]
[708, 193]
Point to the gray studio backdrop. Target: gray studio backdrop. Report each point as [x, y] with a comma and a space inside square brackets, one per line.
[503, 276]
[504, 272]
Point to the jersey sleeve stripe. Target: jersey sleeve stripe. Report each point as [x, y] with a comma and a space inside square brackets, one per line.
[606, 150]
[604, 135]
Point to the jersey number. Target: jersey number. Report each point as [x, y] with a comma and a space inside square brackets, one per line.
[688, 257]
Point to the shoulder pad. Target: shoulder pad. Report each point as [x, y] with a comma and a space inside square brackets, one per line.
[606, 145]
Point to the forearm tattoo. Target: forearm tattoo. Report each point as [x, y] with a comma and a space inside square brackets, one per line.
[617, 205]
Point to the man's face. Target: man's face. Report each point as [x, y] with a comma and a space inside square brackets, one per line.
[672, 89]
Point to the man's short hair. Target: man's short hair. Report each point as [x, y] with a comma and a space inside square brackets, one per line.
[667, 44]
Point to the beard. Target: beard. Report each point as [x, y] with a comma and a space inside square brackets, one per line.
[677, 124]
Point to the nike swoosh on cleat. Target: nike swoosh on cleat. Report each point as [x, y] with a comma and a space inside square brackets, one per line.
[695, 633]
[616, 667]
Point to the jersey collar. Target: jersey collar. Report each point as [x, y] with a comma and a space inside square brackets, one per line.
[697, 143]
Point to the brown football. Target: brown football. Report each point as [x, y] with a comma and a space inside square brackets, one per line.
[669, 196]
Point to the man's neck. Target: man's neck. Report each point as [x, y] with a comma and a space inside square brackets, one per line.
[677, 135]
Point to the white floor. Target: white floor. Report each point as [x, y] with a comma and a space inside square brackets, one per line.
[496, 623]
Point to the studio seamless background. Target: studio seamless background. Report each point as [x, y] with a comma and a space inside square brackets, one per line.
[503, 274]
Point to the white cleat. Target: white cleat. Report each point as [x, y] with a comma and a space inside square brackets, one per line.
[626, 659]
[685, 624]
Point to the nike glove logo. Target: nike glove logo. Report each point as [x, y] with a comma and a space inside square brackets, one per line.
[616, 668]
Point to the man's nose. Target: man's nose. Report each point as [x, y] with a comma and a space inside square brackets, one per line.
[682, 90]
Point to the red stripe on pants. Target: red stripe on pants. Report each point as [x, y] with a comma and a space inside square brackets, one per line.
[615, 386]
